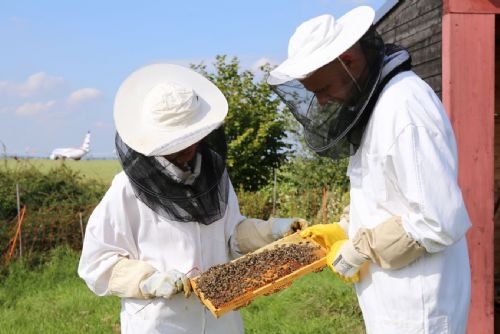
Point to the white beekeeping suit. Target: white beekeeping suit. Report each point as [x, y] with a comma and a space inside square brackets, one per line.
[405, 245]
[123, 227]
[172, 212]
[407, 167]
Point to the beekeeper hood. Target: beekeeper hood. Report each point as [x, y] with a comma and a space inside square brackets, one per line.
[328, 127]
[162, 110]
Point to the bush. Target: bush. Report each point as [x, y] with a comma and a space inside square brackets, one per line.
[313, 205]
[54, 202]
[61, 185]
[316, 189]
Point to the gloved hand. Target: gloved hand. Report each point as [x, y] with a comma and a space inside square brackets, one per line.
[345, 260]
[281, 227]
[325, 234]
[165, 284]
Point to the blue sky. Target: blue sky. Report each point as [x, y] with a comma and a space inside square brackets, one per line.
[62, 61]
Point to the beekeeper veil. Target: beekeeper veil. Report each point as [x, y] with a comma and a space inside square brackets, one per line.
[332, 128]
[171, 144]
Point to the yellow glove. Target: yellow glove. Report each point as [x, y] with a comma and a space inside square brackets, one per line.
[325, 234]
[345, 260]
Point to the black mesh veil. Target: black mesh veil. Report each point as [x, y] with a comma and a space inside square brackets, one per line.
[331, 130]
[203, 200]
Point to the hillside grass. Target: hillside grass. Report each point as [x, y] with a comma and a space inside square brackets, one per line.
[52, 299]
[101, 170]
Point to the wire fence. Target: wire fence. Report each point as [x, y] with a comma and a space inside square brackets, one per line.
[45, 228]
[318, 206]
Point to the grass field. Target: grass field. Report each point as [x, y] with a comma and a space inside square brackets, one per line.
[52, 299]
[102, 170]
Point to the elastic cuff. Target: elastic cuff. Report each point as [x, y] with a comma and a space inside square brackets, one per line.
[279, 226]
[388, 244]
[126, 277]
[251, 234]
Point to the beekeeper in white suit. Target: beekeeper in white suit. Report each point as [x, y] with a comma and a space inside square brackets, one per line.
[405, 245]
[172, 212]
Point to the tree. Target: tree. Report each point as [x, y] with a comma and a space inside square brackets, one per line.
[314, 172]
[255, 127]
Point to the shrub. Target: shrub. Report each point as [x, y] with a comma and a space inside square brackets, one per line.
[54, 202]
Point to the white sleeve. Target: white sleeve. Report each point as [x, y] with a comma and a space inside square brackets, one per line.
[424, 170]
[107, 239]
[234, 217]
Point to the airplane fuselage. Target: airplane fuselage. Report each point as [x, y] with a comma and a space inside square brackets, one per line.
[72, 153]
[67, 153]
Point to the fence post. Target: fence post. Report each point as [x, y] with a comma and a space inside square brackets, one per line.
[325, 206]
[18, 220]
[274, 193]
[81, 225]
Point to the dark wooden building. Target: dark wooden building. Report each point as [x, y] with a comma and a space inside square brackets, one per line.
[454, 47]
[416, 25]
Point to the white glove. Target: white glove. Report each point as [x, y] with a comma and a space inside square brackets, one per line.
[165, 284]
[345, 260]
[281, 227]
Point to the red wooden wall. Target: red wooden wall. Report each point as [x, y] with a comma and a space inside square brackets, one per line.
[472, 6]
[468, 60]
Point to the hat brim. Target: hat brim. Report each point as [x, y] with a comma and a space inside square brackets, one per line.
[149, 140]
[353, 24]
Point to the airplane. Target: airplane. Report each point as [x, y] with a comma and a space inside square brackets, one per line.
[72, 153]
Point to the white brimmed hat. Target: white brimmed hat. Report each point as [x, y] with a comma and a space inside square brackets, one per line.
[164, 108]
[319, 41]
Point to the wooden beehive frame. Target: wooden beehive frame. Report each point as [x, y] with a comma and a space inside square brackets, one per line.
[272, 287]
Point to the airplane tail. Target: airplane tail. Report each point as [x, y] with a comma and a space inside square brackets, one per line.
[86, 143]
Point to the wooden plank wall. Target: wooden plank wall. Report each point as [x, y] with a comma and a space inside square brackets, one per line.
[416, 25]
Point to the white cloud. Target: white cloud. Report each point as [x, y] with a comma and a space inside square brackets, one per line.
[84, 95]
[255, 68]
[37, 84]
[28, 109]
[100, 125]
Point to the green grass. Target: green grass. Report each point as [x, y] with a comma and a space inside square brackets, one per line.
[52, 299]
[316, 303]
[102, 170]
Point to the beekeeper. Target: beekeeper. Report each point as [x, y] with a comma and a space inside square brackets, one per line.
[357, 96]
[172, 212]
